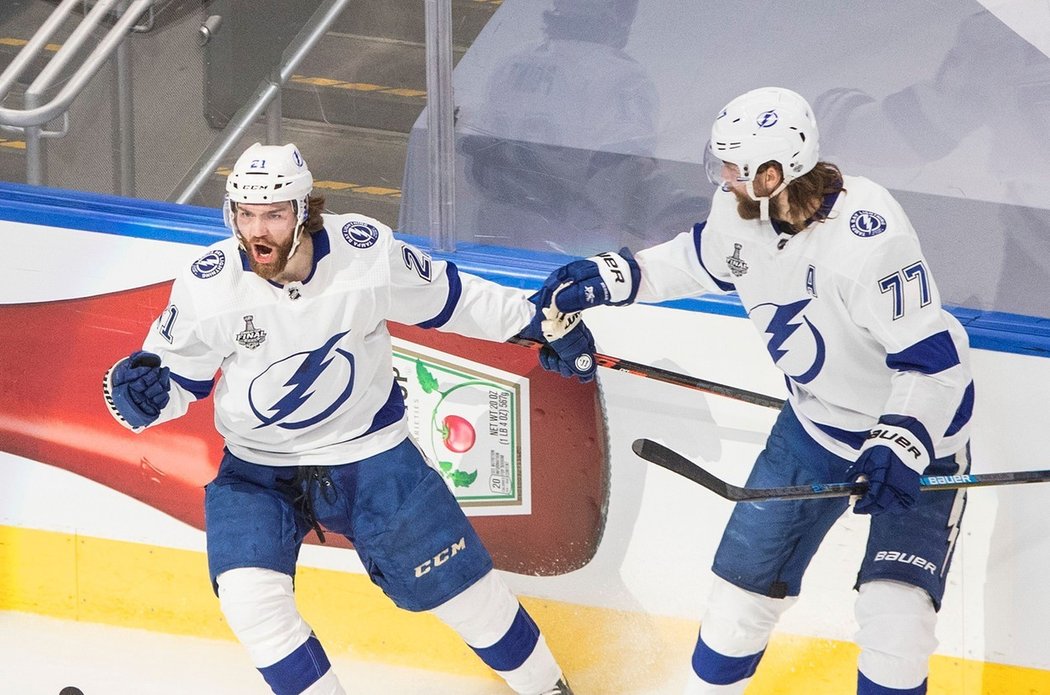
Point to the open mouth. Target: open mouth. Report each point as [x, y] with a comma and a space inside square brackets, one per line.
[263, 253]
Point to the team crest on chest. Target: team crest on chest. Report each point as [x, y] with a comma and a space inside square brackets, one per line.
[737, 265]
[251, 337]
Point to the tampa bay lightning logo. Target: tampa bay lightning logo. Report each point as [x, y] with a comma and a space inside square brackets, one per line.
[209, 265]
[795, 344]
[767, 119]
[360, 234]
[866, 223]
[303, 389]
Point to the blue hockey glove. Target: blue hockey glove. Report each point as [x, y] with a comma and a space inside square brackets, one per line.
[136, 389]
[569, 348]
[893, 484]
[572, 354]
[608, 278]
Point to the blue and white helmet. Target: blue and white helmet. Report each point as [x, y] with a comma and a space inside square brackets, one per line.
[769, 124]
[270, 174]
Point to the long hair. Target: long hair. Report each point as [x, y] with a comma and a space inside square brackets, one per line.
[314, 209]
[808, 191]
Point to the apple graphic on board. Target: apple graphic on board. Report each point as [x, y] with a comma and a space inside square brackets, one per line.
[457, 433]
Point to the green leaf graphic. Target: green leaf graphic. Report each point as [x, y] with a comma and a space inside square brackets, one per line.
[463, 479]
[426, 380]
[445, 466]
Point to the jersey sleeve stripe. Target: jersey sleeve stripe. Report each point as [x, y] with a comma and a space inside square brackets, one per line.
[698, 230]
[198, 389]
[853, 440]
[963, 412]
[928, 356]
[455, 290]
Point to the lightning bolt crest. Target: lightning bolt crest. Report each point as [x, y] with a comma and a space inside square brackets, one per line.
[301, 382]
[781, 328]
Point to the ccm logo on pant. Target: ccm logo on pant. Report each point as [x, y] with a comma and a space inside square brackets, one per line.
[906, 558]
[441, 558]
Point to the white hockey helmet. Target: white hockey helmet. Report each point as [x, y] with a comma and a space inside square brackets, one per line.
[270, 174]
[769, 124]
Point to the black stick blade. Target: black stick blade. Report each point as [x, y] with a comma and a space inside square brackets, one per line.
[673, 461]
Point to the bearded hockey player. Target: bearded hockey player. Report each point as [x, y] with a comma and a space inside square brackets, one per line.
[830, 271]
[291, 311]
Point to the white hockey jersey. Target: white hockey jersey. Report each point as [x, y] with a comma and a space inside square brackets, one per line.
[847, 308]
[306, 368]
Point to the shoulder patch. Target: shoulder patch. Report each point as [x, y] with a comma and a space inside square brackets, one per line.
[209, 265]
[865, 223]
[360, 234]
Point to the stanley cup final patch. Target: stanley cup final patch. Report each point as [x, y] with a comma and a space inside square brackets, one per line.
[737, 265]
[251, 337]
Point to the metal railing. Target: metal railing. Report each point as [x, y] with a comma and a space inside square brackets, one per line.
[266, 98]
[37, 112]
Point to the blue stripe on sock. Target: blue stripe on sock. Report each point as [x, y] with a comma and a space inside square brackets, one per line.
[514, 647]
[867, 687]
[299, 670]
[719, 669]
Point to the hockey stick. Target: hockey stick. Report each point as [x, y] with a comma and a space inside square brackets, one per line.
[673, 461]
[669, 377]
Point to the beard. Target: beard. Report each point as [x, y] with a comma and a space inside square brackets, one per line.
[749, 209]
[745, 207]
[276, 257]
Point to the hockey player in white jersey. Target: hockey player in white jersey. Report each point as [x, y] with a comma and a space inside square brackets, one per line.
[292, 311]
[830, 271]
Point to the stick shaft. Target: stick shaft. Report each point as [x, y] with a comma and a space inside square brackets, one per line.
[669, 377]
[673, 461]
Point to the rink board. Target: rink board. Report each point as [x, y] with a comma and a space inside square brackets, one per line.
[624, 608]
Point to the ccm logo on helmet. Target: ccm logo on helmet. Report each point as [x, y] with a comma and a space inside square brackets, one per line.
[441, 558]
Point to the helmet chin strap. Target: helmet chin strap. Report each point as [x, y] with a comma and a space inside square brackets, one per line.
[296, 237]
[763, 201]
[301, 206]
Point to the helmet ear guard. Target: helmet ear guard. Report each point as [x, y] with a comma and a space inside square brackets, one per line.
[769, 124]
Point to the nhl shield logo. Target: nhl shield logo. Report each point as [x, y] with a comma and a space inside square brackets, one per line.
[251, 337]
[737, 265]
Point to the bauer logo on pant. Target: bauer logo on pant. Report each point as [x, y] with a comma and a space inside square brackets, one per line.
[906, 558]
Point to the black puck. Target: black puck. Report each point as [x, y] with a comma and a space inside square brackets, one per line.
[70, 690]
